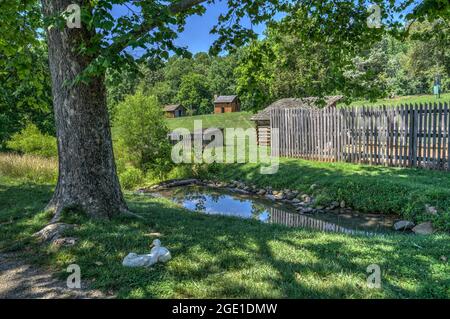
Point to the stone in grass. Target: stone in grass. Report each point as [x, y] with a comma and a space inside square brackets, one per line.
[431, 210]
[424, 229]
[279, 196]
[404, 225]
[290, 195]
[306, 199]
[52, 232]
[334, 205]
[261, 192]
[307, 210]
[65, 241]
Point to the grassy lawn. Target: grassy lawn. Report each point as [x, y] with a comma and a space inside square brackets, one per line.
[402, 100]
[216, 256]
[368, 189]
[224, 120]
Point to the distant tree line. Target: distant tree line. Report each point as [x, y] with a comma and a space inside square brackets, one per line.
[288, 64]
[296, 58]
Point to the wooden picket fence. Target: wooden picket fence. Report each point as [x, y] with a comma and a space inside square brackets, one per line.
[406, 135]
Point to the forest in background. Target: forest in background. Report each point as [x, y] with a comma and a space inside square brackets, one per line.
[292, 60]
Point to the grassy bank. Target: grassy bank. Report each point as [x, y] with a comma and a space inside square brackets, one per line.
[402, 100]
[232, 120]
[369, 189]
[374, 189]
[225, 257]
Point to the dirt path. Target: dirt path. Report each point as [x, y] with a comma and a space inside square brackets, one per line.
[21, 280]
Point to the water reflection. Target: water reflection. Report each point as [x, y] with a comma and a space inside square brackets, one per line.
[221, 202]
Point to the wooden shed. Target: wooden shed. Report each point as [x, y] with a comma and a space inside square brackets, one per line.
[174, 110]
[226, 104]
[262, 118]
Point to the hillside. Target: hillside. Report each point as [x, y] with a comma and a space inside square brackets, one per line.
[402, 99]
[235, 120]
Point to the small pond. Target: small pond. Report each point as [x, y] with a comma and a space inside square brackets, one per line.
[226, 202]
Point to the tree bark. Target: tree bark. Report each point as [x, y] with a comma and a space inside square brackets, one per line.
[87, 173]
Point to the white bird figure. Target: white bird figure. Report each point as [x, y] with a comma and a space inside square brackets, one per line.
[135, 260]
[162, 254]
[157, 253]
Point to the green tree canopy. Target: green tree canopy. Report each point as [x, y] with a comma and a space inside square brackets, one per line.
[194, 94]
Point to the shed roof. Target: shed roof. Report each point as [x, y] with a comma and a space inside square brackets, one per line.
[171, 107]
[225, 99]
[297, 103]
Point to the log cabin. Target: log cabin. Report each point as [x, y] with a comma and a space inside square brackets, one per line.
[226, 104]
[174, 110]
[262, 118]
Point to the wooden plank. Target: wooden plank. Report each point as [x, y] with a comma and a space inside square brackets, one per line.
[316, 133]
[319, 135]
[400, 135]
[360, 134]
[448, 134]
[326, 129]
[407, 134]
[420, 136]
[385, 136]
[352, 136]
[439, 137]
[297, 132]
[396, 139]
[445, 136]
[304, 137]
[434, 135]
[341, 135]
[377, 142]
[391, 120]
[413, 137]
[339, 140]
[426, 130]
[371, 136]
[364, 133]
[289, 131]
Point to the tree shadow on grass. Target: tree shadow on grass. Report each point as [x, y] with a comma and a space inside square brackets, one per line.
[216, 256]
[21, 213]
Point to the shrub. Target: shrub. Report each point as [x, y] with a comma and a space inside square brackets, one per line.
[31, 141]
[141, 133]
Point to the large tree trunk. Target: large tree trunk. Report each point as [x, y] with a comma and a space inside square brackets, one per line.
[87, 173]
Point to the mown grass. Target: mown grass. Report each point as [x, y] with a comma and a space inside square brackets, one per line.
[401, 100]
[215, 256]
[224, 120]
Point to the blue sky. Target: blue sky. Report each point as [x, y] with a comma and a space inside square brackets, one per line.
[196, 35]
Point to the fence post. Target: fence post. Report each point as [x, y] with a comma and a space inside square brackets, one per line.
[448, 135]
[413, 135]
